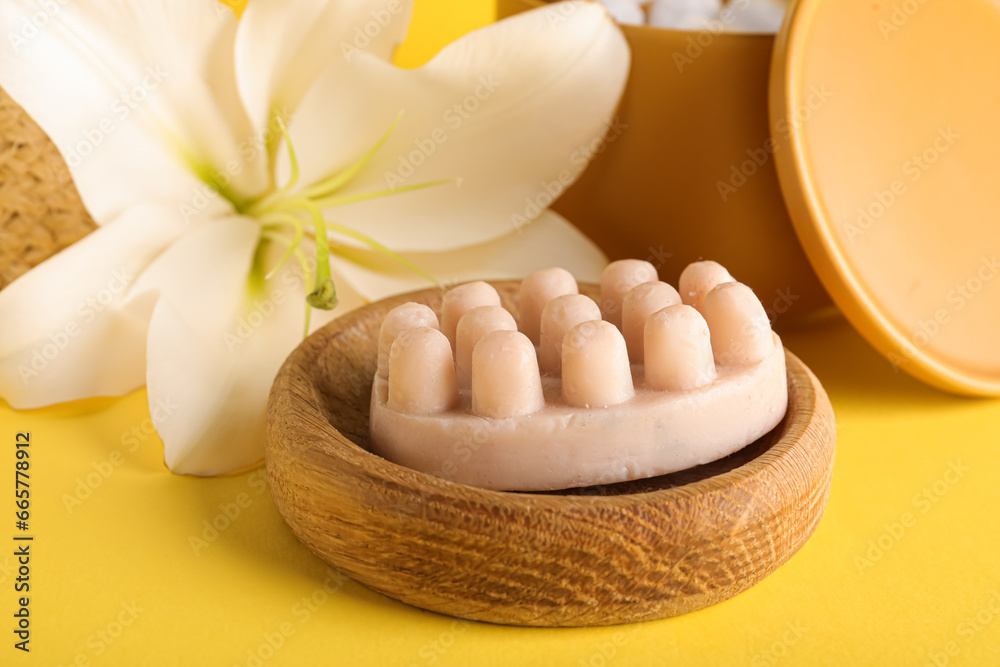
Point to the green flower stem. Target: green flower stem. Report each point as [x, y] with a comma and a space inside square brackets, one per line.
[263, 205]
[375, 245]
[273, 139]
[296, 225]
[331, 202]
[324, 296]
[293, 248]
[294, 180]
[329, 186]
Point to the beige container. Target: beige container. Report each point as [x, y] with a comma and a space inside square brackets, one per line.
[687, 168]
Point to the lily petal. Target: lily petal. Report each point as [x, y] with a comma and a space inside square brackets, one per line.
[214, 347]
[135, 95]
[512, 111]
[549, 241]
[71, 327]
[283, 45]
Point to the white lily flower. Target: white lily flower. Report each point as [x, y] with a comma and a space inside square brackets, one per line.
[212, 151]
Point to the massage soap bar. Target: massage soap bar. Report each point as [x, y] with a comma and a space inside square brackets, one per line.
[572, 393]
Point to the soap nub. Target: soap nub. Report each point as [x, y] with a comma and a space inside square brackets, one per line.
[741, 331]
[639, 304]
[618, 280]
[595, 366]
[398, 320]
[669, 387]
[538, 289]
[421, 373]
[505, 378]
[471, 328]
[700, 278]
[559, 316]
[460, 300]
[678, 350]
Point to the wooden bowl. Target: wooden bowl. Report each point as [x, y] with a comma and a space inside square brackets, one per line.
[621, 553]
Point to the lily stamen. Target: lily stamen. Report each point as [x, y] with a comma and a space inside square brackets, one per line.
[293, 248]
[281, 208]
[329, 186]
[293, 245]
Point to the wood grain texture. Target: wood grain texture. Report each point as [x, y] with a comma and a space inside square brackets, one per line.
[621, 553]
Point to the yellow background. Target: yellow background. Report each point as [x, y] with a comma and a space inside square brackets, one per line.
[903, 568]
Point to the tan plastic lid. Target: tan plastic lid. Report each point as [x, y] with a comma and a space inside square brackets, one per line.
[887, 120]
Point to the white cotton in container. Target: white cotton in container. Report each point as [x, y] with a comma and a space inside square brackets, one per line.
[625, 11]
[764, 16]
[684, 14]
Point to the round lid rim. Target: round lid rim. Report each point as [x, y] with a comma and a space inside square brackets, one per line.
[838, 275]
